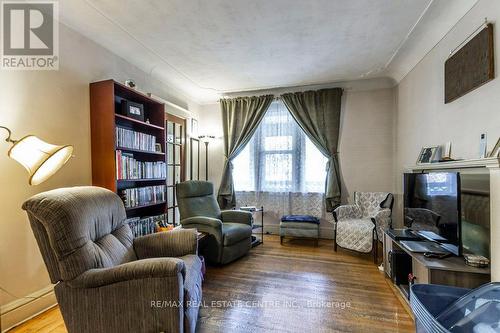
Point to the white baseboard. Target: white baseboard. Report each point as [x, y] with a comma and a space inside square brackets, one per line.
[23, 309]
[324, 232]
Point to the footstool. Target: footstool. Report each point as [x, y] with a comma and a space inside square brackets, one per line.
[301, 226]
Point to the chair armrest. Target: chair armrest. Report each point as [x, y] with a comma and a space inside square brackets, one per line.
[135, 270]
[209, 225]
[383, 218]
[347, 212]
[175, 243]
[209, 222]
[237, 216]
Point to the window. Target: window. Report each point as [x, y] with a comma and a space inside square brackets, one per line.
[279, 157]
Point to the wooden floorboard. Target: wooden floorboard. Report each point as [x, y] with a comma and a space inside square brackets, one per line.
[294, 287]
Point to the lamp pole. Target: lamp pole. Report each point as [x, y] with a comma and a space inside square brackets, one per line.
[206, 160]
[206, 139]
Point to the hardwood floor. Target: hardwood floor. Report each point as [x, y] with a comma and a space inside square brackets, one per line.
[291, 288]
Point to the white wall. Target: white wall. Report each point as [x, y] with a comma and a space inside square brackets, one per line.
[53, 105]
[366, 143]
[422, 117]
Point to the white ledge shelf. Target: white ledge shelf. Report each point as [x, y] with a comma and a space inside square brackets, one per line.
[489, 162]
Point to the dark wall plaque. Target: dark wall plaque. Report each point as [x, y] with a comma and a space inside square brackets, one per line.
[471, 66]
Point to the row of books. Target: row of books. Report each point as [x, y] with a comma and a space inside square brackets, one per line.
[141, 196]
[127, 167]
[135, 140]
[141, 226]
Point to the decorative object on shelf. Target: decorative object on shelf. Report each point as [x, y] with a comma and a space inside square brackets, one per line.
[133, 110]
[206, 139]
[428, 155]
[194, 159]
[131, 84]
[39, 158]
[472, 65]
[476, 260]
[483, 143]
[446, 156]
[496, 150]
[158, 148]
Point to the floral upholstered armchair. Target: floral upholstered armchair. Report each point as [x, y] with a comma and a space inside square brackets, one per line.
[359, 226]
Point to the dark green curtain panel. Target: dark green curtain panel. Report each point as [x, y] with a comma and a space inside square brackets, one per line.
[240, 118]
[318, 114]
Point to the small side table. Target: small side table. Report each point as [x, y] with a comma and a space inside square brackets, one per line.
[261, 226]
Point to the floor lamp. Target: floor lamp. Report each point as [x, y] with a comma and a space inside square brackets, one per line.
[39, 158]
[206, 139]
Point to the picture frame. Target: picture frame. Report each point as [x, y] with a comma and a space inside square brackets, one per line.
[158, 148]
[133, 110]
[428, 155]
[496, 149]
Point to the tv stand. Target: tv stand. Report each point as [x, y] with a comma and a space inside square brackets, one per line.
[451, 271]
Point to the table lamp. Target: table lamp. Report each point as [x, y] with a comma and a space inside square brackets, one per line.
[39, 158]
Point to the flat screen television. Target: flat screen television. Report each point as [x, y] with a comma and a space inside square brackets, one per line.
[432, 207]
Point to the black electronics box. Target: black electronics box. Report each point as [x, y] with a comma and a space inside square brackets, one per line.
[400, 266]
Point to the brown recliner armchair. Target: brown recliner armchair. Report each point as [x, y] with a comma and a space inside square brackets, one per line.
[107, 281]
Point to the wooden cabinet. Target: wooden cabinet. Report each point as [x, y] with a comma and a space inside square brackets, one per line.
[450, 271]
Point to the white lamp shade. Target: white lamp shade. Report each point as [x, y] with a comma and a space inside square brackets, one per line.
[206, 138]
[40, 158]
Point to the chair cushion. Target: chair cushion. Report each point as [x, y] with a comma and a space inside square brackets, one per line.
[235, 232]
[355, 235]
[300, 218]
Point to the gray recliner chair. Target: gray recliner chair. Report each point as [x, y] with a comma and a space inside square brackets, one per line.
[230, 230]
[107, 281]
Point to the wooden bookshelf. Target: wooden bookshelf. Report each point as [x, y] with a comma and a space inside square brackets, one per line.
[105, 116]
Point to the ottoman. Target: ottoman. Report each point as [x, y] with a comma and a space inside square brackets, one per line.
[301, 226]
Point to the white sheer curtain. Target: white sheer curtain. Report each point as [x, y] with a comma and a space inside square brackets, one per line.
[280, 168]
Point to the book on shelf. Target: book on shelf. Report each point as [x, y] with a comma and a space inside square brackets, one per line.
[127, 167]
[141, 226]
[142, 196]
[127, 138]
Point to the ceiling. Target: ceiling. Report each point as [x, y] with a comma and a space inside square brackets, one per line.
[209, 48]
